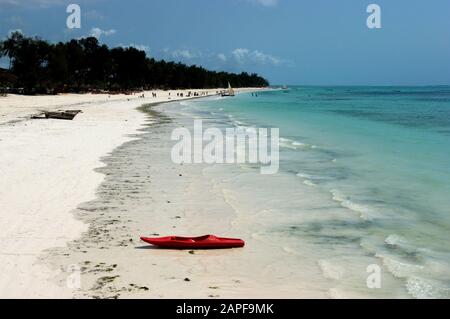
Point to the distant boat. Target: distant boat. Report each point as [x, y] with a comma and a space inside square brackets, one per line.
[284, 88]
[229, 91]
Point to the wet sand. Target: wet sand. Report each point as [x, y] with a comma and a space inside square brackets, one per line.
[48, 170]
[144, 193]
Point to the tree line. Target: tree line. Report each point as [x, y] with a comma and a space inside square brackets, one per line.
[85, 65]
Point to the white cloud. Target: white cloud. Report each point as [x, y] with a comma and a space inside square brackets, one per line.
[184, 54]
[245, 56]
[97, 32]
[238, 59]
[240, 54]
[264, 58]
[265, 3]
[140, 47]
[222, 57]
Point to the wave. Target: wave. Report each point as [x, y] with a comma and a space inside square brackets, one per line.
[307, 176]
[416, 285]
[399, 243]
[294, 145]
[363, 210]
[421, 288]
[309, 183]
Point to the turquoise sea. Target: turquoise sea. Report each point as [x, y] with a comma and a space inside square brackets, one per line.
[377, 162]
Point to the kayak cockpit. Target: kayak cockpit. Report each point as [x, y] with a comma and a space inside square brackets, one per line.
[195, 239]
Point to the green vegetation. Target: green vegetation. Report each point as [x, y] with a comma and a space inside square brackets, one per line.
[37, 66]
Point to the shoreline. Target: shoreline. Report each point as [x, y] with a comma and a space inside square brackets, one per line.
[144, 193]
[14, 108]
[50, 168]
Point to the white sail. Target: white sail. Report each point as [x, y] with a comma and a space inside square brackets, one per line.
[230, 90]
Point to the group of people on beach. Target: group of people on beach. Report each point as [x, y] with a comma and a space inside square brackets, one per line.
[195, 94]
[179, 94]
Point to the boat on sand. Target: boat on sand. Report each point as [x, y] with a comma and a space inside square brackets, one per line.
[58, 115]
[203, 242]
[229, 91]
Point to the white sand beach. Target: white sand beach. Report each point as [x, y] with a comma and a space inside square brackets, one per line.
[47, 169]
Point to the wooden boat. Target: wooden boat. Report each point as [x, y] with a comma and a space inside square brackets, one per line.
[62, 115]
[203, 242]
[229, 91]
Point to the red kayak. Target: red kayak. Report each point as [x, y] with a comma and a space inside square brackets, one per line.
[204, 242]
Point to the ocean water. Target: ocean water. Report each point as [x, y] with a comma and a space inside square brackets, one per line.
[364, 179]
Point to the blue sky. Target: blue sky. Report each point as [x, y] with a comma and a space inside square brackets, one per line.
[314, 42]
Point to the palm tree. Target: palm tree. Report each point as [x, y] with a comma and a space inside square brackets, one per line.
[11, 46]
[84, 64]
